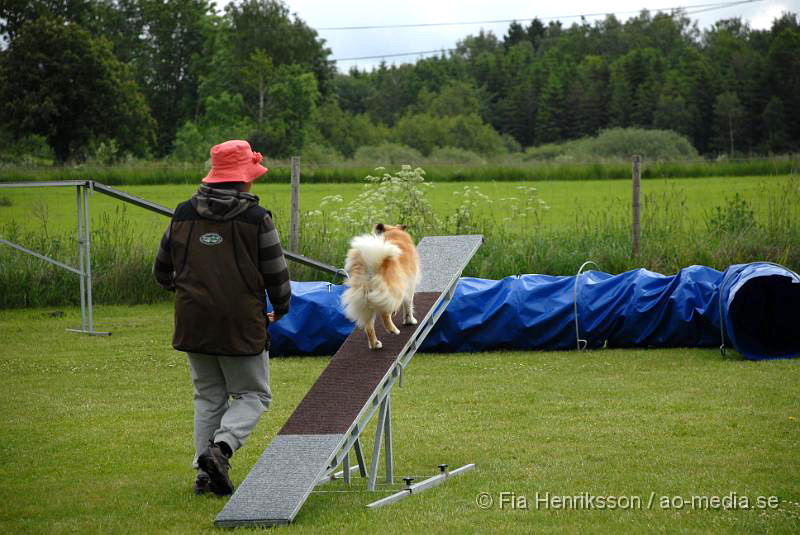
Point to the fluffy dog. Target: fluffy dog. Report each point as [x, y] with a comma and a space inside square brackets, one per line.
[384, 273]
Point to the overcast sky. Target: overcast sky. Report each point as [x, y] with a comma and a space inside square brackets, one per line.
[321, 14]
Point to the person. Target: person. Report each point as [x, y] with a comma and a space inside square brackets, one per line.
[219, 254]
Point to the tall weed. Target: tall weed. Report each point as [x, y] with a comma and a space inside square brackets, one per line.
[121, 265]
[736, 217]
[505, 168]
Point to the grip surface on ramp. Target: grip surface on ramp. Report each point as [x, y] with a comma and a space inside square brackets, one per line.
[355, 371]
[280, 482]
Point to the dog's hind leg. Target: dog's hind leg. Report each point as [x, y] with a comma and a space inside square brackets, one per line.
[372, 340]
[408, 311]
[388, 324]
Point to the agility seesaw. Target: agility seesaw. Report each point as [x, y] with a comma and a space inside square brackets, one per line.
[326, 425]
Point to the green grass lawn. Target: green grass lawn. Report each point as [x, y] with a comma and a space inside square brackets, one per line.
[568, 200]
[97, 435]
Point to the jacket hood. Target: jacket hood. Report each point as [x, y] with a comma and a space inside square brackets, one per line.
[221, 204]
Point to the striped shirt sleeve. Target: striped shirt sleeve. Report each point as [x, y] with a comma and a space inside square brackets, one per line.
[272, 265]
[163, 270]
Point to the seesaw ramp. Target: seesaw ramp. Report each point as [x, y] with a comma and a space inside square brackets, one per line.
[329, 419]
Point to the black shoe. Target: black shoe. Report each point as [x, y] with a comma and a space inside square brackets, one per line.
[216, 465]
[202, 484]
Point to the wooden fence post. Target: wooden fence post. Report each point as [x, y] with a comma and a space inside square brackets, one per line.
[637, 176]
[294, 217]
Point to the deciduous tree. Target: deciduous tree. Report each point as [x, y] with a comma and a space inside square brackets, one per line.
[58, 81]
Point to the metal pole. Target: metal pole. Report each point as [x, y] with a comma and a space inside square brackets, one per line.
[637, 175]
[294, 217]
[387, 428]
[80, 254]
[580, 342]
[362, 466]
[421, 486]
[346, 468]
[376, 450]
[40, 256]
[334, 476]
[88, 258]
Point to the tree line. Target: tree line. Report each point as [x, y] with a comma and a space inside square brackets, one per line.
[155, 78]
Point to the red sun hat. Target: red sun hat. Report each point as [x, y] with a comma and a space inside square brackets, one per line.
[234, 161]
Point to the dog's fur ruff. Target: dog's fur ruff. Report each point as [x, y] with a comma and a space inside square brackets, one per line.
[384, 273]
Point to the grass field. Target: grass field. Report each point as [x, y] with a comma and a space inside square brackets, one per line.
[709, 221]
[97, 436]
[568, 200]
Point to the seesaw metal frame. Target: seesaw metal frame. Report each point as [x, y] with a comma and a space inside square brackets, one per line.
[380, 400]
[416, 488]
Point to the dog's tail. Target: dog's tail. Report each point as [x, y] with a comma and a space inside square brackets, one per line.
[368, 291]
[372, 250]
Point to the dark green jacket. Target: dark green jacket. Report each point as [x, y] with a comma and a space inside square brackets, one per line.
[220, 253]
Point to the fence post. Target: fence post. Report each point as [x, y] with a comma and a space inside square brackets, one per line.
[294, 217]
[637, 176]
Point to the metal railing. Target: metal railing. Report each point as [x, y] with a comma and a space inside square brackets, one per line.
[84, 270]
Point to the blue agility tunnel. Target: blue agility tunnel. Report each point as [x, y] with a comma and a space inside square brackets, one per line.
[756, 303]
[761, 310]
[315, 324]
[638, 308]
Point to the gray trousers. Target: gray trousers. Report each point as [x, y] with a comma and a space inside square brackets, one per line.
[230, 394]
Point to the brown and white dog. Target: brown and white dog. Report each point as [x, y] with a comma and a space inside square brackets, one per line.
[384, 273]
